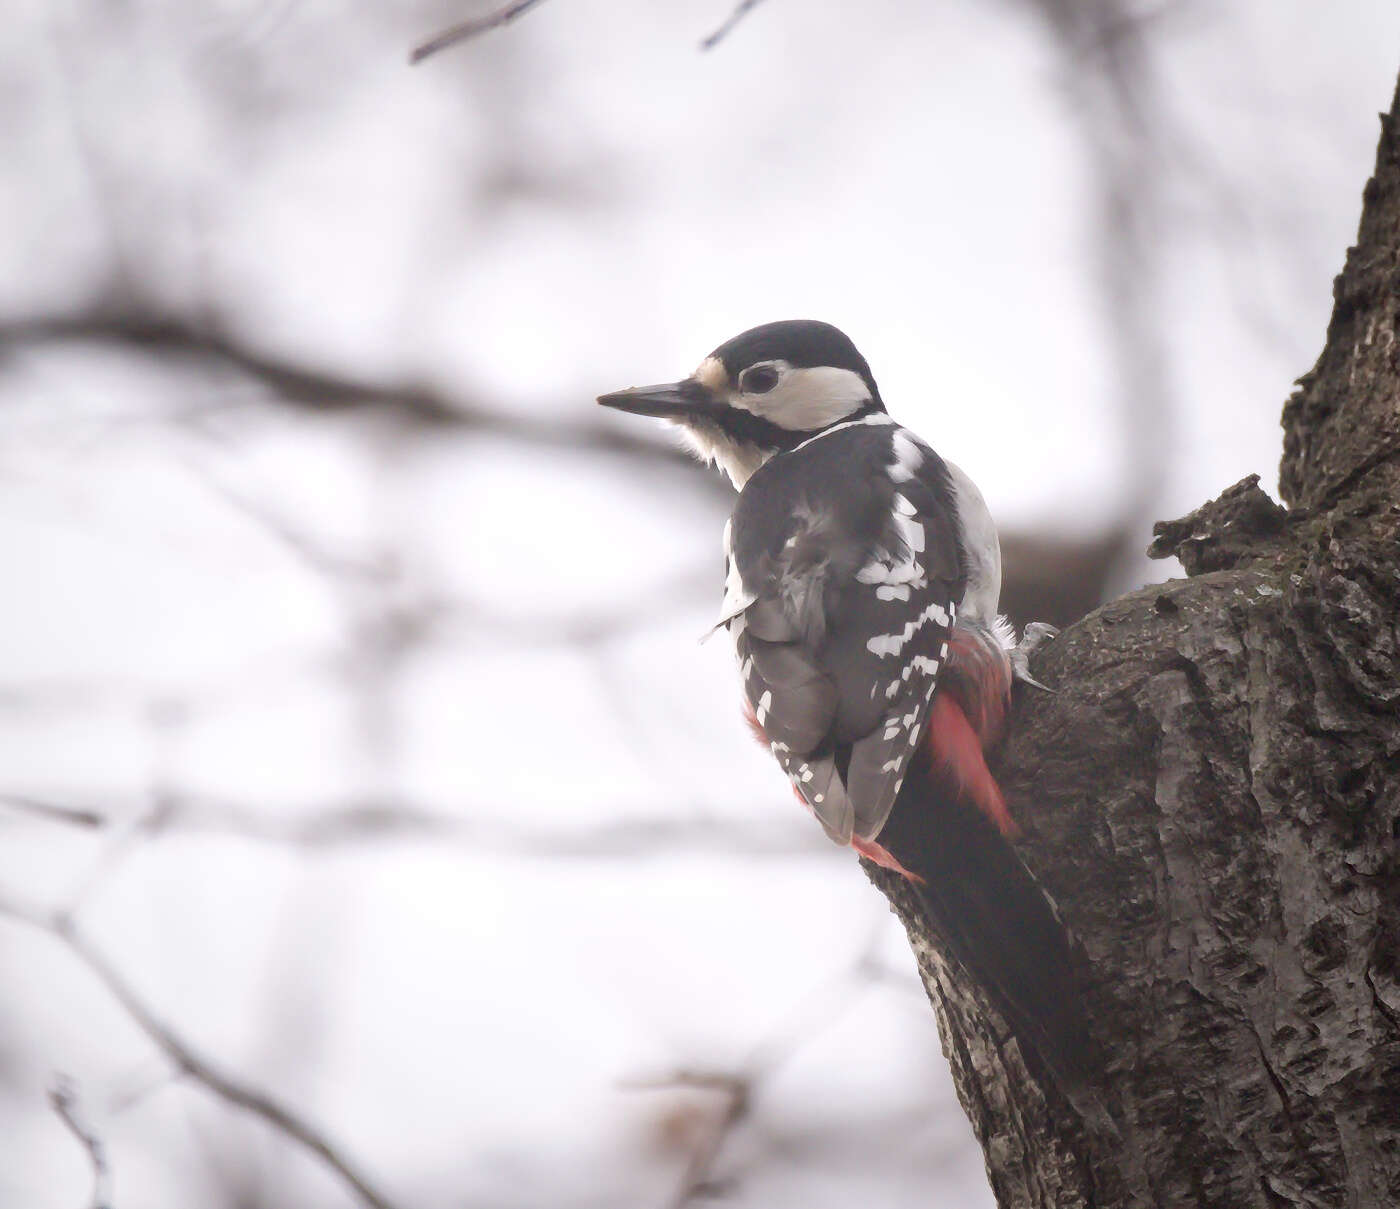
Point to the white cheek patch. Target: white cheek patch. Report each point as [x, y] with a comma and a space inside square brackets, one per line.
[807, 399]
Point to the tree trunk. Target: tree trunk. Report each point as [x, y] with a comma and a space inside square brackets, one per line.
[1211, 797]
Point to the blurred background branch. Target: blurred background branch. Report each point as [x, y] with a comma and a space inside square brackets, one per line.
[741, 10]
[470, 29]
[63, 1099]
[184, 1059]
[230, 369]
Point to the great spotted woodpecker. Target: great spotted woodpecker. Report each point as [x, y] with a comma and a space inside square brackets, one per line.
[862, 578]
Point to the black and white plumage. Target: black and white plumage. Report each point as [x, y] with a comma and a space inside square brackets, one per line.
[844, 580]
[862, 573]
[852, 552]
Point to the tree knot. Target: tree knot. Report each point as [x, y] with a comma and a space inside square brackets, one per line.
[1222, 534]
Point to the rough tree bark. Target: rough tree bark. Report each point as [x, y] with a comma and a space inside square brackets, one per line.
[1212, 797]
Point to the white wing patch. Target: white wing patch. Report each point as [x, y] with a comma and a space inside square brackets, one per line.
[910, 530]
[879, 762]
[892, 644]
[897, 575]
[884, 569]
[907, 457]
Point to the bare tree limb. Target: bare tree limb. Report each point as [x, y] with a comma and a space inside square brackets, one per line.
[192, 1064]
[470, 29]
[1122, 123]
[741, 10]
[53, 811]
[63, 1099]
[318, 389]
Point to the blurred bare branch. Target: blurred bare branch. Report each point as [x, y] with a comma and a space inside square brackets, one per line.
[372, 821]
[74, 816]
[736, 1088]
[1110, 81]
[63, 1099]
[741, 10]
[406, 615]
[322, 390]
[194, 1066]
[470, 29]
[507, 13]
[734, 1094]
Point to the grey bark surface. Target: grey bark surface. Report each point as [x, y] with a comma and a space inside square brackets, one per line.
[1212, 798]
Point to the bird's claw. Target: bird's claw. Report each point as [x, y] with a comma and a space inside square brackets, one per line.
[1033, 637]
[1036, 635]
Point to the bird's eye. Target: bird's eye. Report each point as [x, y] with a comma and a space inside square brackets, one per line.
[759, 380]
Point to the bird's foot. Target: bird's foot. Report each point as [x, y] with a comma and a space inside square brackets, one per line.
[1033, 637]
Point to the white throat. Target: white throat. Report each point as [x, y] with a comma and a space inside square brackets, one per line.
[738, 459]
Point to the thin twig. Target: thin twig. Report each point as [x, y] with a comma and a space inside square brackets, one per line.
[118, 844]
[193, 1065]
[688, 828]
[699, 1179]
[735, 1092]
[74, 815]
[741, 10]
[470, 29]
[737, 1087]
[63, 1098]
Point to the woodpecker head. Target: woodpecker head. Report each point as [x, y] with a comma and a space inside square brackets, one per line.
[762, 393]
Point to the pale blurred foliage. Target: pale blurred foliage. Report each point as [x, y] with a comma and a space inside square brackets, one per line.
[352, 704]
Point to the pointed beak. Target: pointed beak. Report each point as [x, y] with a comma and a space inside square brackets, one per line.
[669, 400]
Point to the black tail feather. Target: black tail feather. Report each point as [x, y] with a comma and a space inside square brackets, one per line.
[996, 921]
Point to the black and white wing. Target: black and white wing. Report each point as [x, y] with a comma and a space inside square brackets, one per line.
[843, 578]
